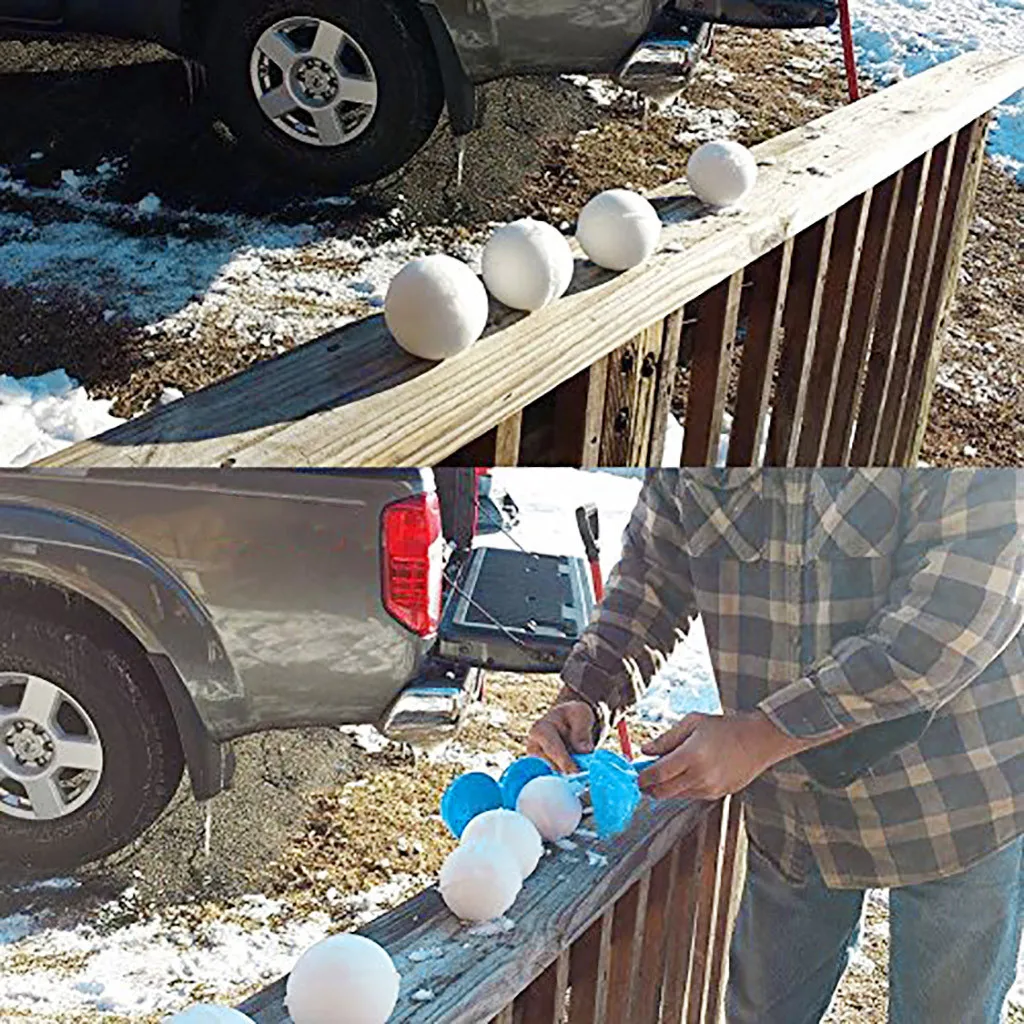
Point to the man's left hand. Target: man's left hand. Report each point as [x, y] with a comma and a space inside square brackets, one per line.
[706, 757]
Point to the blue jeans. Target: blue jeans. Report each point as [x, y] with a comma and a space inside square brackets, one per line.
[953, 944]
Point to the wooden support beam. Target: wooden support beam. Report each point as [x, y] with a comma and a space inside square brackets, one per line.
[769, 278]
[506, 445]
[800, 327]
[968, 160]
[717, 314]
[589, 971]
[665, 387]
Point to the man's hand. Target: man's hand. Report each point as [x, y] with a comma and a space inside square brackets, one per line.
[706, 757]
[566, 729]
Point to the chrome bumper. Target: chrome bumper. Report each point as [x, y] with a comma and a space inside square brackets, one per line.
[431, 708]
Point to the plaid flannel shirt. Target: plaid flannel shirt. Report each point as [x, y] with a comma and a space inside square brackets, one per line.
[841, 597]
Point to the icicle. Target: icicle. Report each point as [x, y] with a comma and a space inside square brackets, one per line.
[207, 830]
[460, 150]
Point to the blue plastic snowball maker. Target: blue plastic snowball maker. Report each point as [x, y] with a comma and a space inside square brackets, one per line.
[614, 791]
[518, 774]
[466, 797]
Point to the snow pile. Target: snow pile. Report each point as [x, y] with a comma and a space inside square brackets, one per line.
[899, 38]
[42, 415]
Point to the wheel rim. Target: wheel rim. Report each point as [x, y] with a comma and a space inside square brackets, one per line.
[314, 81]
[51, 755]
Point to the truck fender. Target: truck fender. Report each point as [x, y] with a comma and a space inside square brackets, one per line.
[49, 549]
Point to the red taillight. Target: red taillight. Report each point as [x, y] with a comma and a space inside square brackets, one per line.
[413, 554]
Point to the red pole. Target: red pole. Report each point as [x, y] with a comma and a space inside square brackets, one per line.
[849, 58]
[623, 729]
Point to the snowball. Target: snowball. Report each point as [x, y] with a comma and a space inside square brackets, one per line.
[552, 805]
[343, 979]
[721, 173]
[435, 307]
[480, 881]
[513, 831]
[207, 1013]
[527, 264]
[618, 229]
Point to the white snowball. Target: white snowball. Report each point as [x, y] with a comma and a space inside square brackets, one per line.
[480, 881]
[527, 264]
[512, 830]
[550, 803]
[207, 1013]
[721, 173]
[436, 307]
[618, 229]
[343, 979]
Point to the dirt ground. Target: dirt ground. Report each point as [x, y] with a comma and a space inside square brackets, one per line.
[545, 147]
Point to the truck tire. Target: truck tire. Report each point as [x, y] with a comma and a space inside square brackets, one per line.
[338, 92]
[84, 722]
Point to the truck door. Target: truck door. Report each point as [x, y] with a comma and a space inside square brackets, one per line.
[37, 11]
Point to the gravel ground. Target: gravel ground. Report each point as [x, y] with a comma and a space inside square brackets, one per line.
[126, 213]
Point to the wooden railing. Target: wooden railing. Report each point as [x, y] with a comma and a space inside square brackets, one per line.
[816, 315]
[635, 935]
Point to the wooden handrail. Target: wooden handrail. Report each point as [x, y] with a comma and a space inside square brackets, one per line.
[354, 399]
[606, 938]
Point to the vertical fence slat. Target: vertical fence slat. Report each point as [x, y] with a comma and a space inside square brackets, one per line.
[505, 1017]
[506, 444]
[800, 325]
[725, 906]
[920, 275]
[968, 160]
[629, 913]
[579, 415]
[543, 1001]
[833, 322]
[665, 387]
[717, 313]
[659, 932]
[863, 313]
[895, 282]
[589, 964]
[704, 923]
[769, 278]
[631, 398]
[683, 915]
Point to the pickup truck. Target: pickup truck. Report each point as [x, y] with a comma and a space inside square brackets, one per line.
[150, 617]
[346, 91]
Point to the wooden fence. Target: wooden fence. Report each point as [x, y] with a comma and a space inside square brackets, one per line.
[815, 314]
[629, 932]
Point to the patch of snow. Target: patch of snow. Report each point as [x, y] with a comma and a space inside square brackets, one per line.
[596, 860]
[488, 929]
[423, 995]
[366, 737]
[41, 415]
[418, 956]
[566, 844]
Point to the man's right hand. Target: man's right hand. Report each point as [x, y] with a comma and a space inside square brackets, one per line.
[566, 729]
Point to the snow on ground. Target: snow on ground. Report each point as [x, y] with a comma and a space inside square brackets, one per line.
[899, 38]
[41, 415]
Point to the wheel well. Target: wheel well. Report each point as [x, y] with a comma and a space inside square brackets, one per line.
[47, 599]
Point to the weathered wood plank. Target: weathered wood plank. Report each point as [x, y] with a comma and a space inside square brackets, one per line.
[631, 398]
[589, 967]
[544, 1001]
[804, 297]
[770, 280]
[833, 322]
[627, 928]
[480, 975]
[665, 386]
[658, 934]
[895, 284]
[956, 220]
[704, 923]
[354, 399]
[506, 445]
[917, 287]
[863, 314]
[723, 915]
[717, 313]
[684, 904]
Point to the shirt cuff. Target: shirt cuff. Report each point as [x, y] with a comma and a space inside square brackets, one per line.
[802, 711]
